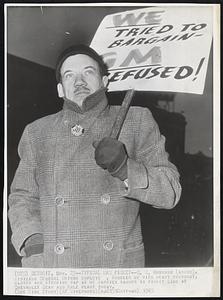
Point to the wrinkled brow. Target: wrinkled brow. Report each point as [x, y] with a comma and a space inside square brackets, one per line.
[87, 67]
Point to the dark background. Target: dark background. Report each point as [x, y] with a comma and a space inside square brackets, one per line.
[182, 236]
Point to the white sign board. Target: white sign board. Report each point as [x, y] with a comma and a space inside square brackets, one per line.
[156, 48]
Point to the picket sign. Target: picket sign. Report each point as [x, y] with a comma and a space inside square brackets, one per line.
[156, 48]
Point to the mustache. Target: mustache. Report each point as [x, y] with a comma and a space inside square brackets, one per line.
[80, 89]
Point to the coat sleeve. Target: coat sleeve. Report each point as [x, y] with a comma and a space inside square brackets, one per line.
[152, 178]
[24, 204]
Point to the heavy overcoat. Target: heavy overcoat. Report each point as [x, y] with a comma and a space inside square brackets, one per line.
[87, 217]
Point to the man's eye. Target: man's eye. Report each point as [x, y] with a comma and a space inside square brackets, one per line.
[68, 75]
[89, 72]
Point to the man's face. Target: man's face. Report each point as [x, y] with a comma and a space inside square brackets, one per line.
[80, 77]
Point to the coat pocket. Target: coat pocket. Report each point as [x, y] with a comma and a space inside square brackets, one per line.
[33, 261]
[133, 257]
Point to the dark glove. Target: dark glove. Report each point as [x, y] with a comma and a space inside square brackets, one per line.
[111, 154]
[34, 244]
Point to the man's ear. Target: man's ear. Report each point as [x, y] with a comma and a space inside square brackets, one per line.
[105, 80]
[60, 90]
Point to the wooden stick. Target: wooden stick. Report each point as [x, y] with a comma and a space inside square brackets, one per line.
[117, 126]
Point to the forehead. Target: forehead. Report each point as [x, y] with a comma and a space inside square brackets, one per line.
[78, 61]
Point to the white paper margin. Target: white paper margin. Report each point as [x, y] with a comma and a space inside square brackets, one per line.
[207, 283]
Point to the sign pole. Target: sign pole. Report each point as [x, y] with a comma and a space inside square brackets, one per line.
[117, 126]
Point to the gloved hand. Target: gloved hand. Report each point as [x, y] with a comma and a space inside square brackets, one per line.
[111, 154]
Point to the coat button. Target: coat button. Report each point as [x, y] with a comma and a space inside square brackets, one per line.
[59, 249]
[77, 130]
[108, 245]
[105, 198]
[59, 201]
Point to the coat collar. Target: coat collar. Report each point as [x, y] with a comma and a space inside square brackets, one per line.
[94, 102]
[95, 106]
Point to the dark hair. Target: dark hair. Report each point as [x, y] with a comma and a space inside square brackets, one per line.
[80, 49]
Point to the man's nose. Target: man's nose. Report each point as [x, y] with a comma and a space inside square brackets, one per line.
[79, 80]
